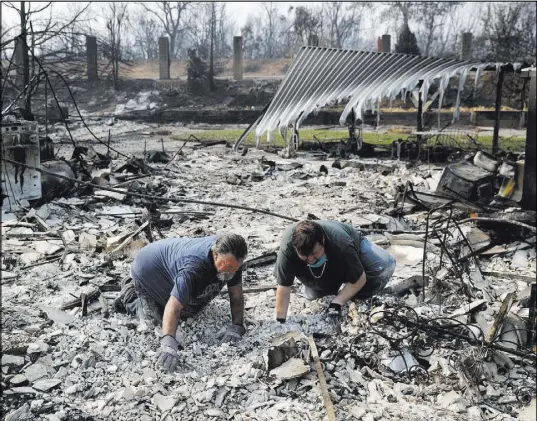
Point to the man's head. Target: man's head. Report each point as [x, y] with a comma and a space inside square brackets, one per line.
[308, 241]
[229, 253]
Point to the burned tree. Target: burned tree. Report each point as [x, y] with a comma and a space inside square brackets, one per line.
[43, 43]
[432, 17]
[145, 30]
[116, 20]
[306, 24]
[406, 42]
[174, 19]
[343, 21]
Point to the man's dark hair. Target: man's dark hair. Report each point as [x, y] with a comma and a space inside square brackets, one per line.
[231, 243]
[305, 235]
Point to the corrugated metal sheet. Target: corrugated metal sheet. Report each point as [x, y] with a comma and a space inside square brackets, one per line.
[321, 76]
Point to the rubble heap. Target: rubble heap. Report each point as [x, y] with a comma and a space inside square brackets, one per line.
[453, 339]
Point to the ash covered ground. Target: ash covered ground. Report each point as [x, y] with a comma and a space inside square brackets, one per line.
[63, 365]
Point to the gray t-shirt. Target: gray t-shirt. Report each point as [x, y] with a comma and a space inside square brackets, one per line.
[182, 268]
[342, 248]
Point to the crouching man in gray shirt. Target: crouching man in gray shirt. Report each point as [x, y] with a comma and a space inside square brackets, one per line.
[175, 278]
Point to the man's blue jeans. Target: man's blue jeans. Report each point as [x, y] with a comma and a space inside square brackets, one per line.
[379, 266]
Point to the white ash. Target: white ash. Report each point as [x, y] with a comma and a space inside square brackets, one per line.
[61, 365]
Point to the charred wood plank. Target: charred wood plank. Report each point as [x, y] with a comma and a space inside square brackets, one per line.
[322, 380]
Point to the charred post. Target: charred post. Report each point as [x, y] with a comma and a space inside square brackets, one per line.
[497, 112]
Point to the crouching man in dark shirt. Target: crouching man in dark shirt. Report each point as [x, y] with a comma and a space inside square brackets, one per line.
[324, 255]
[176, 278]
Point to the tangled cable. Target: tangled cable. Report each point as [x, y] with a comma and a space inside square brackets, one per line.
[405, 331]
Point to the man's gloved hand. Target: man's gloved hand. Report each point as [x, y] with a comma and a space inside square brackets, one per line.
[333, 314]
[233, 333]
[167, 357]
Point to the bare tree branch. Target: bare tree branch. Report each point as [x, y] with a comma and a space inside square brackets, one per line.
[31, 12]
[172, 16]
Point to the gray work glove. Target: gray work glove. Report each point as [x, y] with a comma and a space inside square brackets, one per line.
[333, 315]
[167, 357]
[233, 333]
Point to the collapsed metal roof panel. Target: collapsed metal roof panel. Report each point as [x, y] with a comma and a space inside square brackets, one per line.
[320, 76]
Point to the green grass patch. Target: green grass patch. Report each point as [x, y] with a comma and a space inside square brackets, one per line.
[335, 135]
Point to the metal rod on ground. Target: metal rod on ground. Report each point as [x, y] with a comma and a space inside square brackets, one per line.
[251, 290]
[43, 262]
[506, 221]
[148, 196]
[322, 380]
[243, 135]
[177, 153]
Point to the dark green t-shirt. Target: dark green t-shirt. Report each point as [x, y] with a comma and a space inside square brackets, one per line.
[342, 248]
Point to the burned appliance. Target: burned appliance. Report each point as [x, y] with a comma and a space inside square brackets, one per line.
[20, 143]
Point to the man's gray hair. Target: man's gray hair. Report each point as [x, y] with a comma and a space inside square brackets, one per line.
[231, 243]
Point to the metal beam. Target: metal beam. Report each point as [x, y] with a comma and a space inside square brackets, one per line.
[420, 110]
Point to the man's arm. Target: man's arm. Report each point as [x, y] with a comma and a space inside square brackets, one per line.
[348, 291]
[167, 357]
[283, 296]
[236, 302]
[170, 319]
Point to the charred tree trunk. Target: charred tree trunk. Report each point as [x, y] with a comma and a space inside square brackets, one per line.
[211, 52]
[25, 57]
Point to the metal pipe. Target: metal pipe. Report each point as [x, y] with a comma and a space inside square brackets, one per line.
[497, 112]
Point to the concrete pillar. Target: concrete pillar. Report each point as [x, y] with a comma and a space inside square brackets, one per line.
[91, 57]
[466, 46]
[237, 58]
[386, 43]
[379, 44]
[164, 57]
[313, 40]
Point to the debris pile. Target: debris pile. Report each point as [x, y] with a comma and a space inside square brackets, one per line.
[453, 337]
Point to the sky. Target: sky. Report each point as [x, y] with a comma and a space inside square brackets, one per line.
[239, 11]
